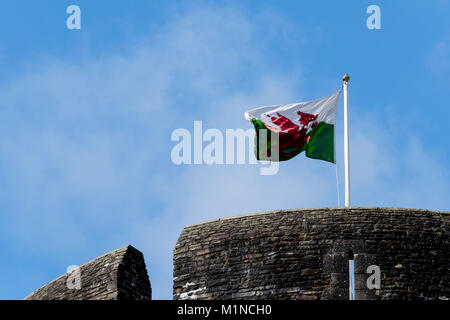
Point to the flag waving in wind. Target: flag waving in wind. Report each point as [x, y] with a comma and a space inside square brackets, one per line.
[304, 126]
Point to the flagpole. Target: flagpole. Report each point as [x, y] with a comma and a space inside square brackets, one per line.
[346, 79]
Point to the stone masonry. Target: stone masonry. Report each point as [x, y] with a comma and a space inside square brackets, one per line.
[117, 275]
[304, 254]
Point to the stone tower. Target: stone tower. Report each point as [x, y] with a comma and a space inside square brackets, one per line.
[305, 254]
[118, 275]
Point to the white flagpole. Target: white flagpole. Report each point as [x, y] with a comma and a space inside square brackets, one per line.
[346, 79]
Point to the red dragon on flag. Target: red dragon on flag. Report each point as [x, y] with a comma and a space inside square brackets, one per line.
[292, 136]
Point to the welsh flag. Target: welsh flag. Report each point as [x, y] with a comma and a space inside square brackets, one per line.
[304, 126]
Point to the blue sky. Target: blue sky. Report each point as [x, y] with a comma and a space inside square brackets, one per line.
[86, 117]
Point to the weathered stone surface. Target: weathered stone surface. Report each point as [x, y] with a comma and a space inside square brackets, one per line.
[303, 254]
[117, 275]
[363, 261]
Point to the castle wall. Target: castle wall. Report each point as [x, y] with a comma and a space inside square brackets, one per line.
[117, 275]
[304, 254]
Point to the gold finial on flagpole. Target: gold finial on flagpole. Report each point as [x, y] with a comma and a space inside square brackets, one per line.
[346, 78]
